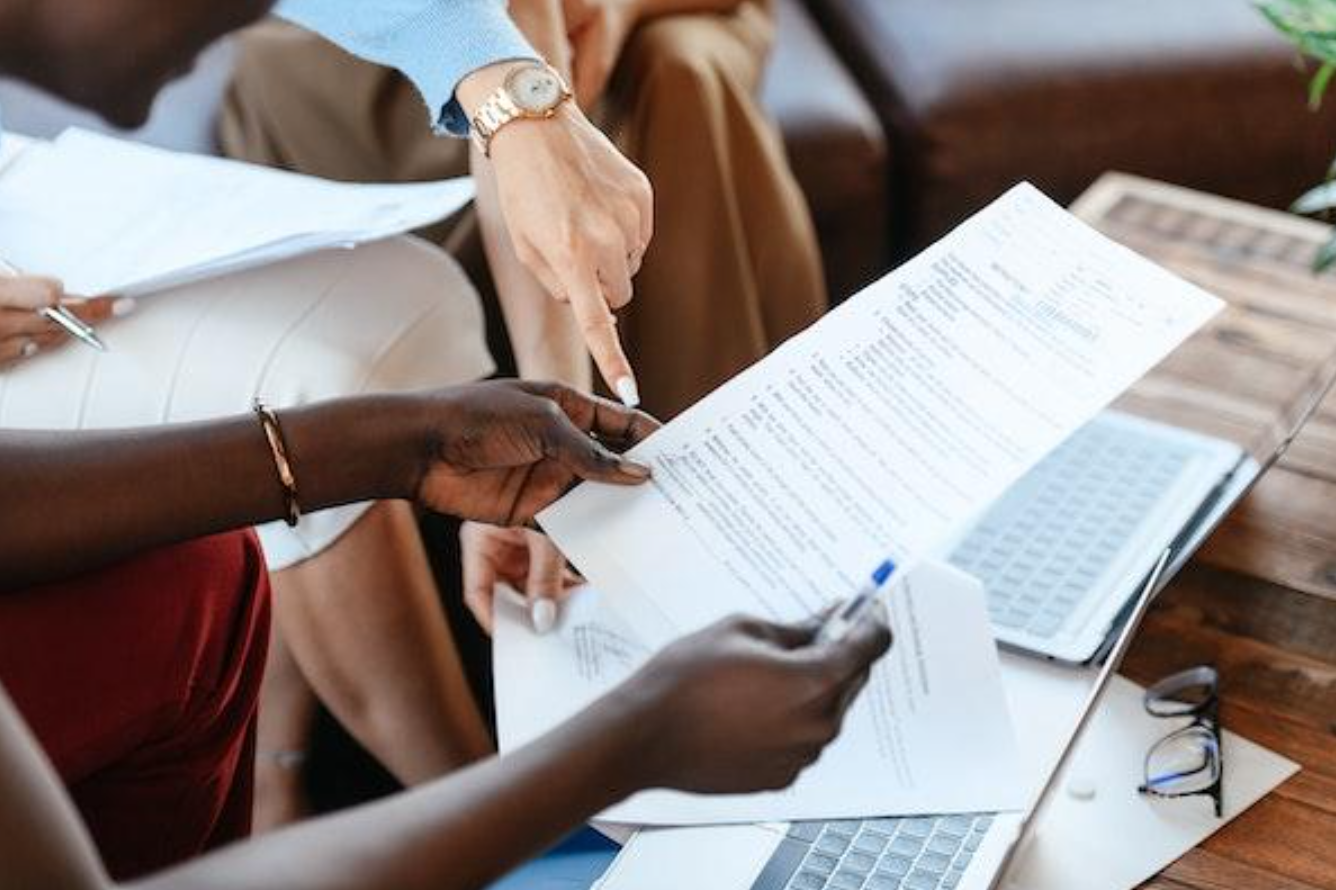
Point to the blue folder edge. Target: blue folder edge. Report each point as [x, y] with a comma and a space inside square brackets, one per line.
[574, 864]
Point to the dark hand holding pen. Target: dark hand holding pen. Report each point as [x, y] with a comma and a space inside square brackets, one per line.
[745, 704]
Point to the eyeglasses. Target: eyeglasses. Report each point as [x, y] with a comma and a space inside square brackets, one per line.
[1188, 761]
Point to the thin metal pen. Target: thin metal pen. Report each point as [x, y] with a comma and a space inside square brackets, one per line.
[62, 317]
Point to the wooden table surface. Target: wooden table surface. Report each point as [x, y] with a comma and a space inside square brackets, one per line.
[1259, 601]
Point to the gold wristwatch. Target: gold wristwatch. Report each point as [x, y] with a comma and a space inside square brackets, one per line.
[531, 91]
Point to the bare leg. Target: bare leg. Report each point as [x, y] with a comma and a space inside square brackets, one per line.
[287, 708]
[362, 623]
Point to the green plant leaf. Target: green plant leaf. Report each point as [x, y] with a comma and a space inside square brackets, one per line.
[1316, 200]
[1318, 86]
[1317, 17]
[1326, 257]
[1311, 24]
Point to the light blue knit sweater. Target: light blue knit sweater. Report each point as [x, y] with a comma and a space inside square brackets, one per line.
[435, 43]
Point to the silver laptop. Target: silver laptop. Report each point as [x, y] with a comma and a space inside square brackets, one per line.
[1063, 551]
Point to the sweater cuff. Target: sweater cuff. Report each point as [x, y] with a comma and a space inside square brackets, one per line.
[450, 42]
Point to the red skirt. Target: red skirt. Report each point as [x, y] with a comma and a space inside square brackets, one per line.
[141, 682]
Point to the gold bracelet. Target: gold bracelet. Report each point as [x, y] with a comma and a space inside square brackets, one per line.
[273, 433]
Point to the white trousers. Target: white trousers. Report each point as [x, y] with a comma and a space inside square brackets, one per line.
[391, 316]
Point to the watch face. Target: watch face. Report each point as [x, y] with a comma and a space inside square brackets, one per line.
[535, 90]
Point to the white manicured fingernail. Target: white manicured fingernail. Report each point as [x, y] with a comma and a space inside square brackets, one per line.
[29, 349]
[627, 391]
[123, 306]
[543, 614]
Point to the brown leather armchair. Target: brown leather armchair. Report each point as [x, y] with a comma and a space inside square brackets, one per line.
[836, 146]
[977, 94]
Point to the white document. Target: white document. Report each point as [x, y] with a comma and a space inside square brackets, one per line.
[542, 680]
[110, 216]
[884, 427]
[929, 734]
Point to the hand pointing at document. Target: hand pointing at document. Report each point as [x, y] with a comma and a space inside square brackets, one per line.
[580, 215]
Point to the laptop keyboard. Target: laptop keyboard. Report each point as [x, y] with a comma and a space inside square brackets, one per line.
[1041, 549]
[919, 853]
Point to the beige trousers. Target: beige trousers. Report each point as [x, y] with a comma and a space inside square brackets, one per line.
[734, 267]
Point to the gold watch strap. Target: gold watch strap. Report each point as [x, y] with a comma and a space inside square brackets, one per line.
[491, 116]
[499, 109]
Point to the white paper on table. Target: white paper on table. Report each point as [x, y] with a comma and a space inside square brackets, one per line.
[110, 216]
[1120, 838]
[1114, 841]
[884, 427]
[929, 734]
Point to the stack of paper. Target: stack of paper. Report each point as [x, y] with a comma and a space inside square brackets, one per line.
[110, 216]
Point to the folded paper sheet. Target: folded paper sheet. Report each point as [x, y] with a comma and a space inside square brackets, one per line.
[110, 216]
[884, 427]
[930, 733]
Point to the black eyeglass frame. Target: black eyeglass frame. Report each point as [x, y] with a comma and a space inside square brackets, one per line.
[1159, 702]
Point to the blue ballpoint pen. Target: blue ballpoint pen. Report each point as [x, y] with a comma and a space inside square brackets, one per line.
[847, 616]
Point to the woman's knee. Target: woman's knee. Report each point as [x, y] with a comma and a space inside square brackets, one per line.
[399, 315]
[690, 56]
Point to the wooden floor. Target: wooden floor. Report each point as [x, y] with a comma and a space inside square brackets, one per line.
[1260, 600]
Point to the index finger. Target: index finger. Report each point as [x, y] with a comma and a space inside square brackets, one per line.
[99, 309]
[479, 582]
[582, 455]
[547, 566]
[611, 422]
[795, 635]
[867, 641]
[598, 327]
[849, 657]
[30, 291]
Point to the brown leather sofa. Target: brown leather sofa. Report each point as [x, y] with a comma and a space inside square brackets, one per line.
[977, 94]
[836, 146]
